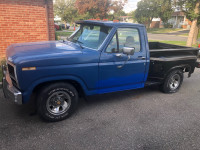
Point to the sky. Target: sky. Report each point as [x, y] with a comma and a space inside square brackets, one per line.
[130, 6]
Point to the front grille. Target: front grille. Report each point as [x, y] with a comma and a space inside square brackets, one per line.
[11, 71]
[14, 82]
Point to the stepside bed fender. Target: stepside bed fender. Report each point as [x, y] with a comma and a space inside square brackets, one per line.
[184, 67]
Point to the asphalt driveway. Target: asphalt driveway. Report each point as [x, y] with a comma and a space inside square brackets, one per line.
[138, 119]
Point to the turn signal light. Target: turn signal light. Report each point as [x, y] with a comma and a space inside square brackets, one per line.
[28, 68]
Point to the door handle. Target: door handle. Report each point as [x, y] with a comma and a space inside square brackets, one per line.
[141, 57]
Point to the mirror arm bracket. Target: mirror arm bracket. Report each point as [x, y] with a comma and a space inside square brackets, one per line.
[121, 66]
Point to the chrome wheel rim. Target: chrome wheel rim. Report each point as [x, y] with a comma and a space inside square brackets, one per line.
[58, 103]
[174, 82]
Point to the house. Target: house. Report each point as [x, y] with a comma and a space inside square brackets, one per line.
[179, 20]
[25, 21]
[128, 19]
[156, 23]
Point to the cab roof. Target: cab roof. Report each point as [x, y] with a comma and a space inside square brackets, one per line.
[108, 23]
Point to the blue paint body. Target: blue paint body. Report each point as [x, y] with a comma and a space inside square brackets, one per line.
[95, 70]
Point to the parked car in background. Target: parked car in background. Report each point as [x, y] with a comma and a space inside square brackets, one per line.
[68, 25]
[57, 27]
[199, 51]
[65, 27]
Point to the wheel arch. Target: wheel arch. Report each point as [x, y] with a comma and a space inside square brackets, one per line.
[37, 85]
[184, 68]
[75, 83]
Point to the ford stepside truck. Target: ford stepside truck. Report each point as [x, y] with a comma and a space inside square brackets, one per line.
[100, 57]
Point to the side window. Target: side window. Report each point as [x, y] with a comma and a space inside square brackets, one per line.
[128, 37]
[112, 47]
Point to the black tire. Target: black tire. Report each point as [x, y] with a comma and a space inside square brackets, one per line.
[57, 101]
[173, 81]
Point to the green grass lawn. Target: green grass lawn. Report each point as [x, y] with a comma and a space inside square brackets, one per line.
[1, 73]
[162, 30]
[181, 43]
[62, 33]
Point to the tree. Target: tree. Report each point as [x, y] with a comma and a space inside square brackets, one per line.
[116, 15]
[66, 10]
[165, 10]
[117, 8]
[191, 9]
[95, 8]
[146, 11]
[99, 8]
[132, 15]
[149, 9]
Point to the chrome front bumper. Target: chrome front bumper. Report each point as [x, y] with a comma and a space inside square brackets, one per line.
[10, 92]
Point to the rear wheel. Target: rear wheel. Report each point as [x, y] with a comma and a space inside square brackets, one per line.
[173, 81]
[57, 101]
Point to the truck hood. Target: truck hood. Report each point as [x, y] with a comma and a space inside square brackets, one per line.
[35, 51]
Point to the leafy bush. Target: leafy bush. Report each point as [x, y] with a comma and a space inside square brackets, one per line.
[168, 25]
[1, 73]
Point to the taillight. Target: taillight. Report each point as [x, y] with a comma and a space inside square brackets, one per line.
[197, 64]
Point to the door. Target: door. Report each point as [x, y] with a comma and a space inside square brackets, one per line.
[118, 71]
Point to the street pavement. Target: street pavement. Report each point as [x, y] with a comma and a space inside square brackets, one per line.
[171, 36]
[166, 37]
[143, 119]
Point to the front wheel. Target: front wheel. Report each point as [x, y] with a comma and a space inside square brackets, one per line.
[57, 101]
[173, 81]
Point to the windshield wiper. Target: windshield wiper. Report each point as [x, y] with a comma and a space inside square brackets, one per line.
[77, 41]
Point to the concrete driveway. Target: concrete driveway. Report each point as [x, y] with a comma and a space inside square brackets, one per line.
[143, 119]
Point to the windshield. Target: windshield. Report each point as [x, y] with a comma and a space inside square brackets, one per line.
[90, 36]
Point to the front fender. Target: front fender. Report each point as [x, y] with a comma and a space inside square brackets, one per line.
[29, 91]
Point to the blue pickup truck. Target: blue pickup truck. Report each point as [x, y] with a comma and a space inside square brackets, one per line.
[100, 57]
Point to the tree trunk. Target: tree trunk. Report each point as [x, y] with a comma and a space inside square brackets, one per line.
[193, 26]
[149, 23]
[196, 32]
[148, 26]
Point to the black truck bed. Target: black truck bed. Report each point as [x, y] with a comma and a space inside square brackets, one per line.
[165, 57]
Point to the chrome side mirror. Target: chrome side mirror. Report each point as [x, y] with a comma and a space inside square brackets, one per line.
[129, 50]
